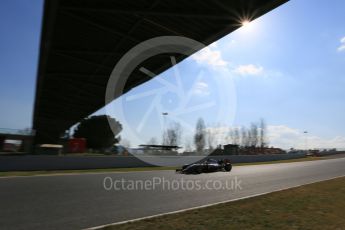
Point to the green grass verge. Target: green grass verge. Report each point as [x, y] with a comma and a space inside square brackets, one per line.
[34, 173]
[315, 206]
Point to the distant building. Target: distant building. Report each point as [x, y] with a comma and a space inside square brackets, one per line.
[121, 150]
[160, 149]
[231, 149]
[216, 152]
[10, 147]
[273, 151]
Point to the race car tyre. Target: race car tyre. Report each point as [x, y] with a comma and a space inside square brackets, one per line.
[228, 167]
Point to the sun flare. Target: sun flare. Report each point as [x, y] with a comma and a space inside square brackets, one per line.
[245, 23]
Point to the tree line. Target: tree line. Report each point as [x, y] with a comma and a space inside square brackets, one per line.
[99, 135]
[208, 137]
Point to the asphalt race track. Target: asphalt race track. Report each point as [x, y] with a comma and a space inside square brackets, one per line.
[81, 201]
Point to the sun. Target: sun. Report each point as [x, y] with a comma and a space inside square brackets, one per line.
[245, 23]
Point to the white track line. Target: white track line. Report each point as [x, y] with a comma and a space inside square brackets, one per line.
[204, 206]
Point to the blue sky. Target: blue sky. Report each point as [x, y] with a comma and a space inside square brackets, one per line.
[20, 27]
[286, 67]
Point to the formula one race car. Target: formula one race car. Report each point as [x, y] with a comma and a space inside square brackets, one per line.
[209, 165]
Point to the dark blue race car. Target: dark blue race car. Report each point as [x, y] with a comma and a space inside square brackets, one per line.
[209, 165]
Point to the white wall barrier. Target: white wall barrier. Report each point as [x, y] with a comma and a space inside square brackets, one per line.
[42, 162]
[260, 158]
